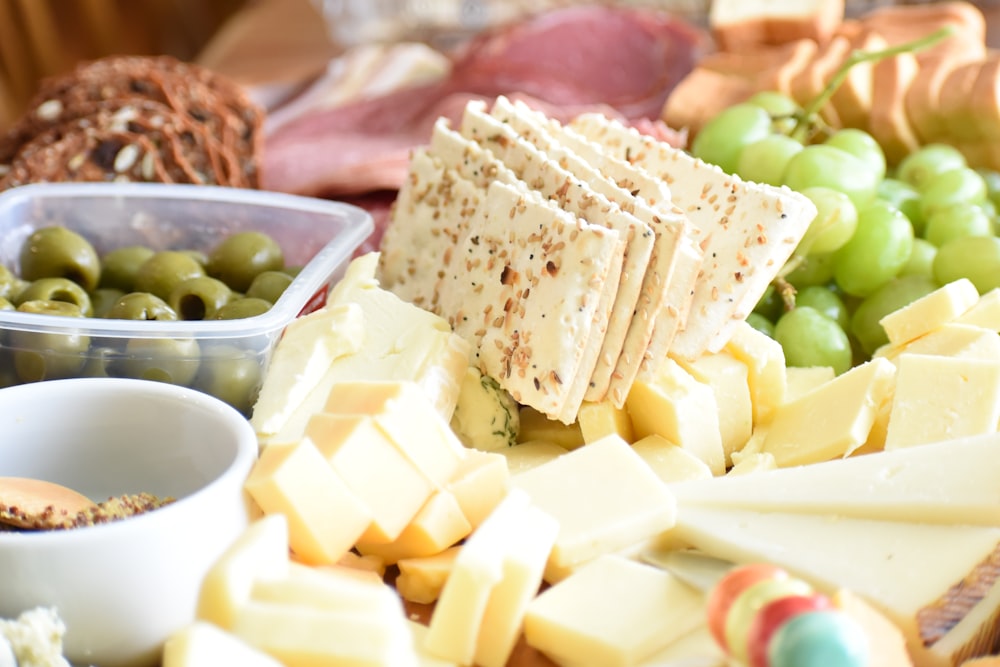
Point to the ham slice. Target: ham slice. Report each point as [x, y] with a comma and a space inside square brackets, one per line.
[619, 61]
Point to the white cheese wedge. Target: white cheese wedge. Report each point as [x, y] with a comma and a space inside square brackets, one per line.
[832, 420]
[203, 644]
[930, 311]
[950, 482]
[924, 577]
[940, 398]
[305, 351]
[612, 612]
[402, 342]
[596, 518]
[748, 230]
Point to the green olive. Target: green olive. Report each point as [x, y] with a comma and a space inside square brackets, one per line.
[5, 304]
[58, 252]
[141, 306]
[240, 308]
[269, 285]
[10, 284]
[197, 255]
[164, 270]
[103, 298]
[120, 265]
[98, 359]
[199, 298]
[173, 360]
[239, 257]
[57, 289]
[232, 374]
[47, 356]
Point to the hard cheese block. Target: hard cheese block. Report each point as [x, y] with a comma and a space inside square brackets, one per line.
[203, 644]
[924, 577]
[925, 314]
[951, 482]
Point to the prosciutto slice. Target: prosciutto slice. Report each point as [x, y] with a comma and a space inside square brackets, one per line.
[620, 61]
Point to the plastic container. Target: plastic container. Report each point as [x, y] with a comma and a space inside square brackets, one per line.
[226, 358]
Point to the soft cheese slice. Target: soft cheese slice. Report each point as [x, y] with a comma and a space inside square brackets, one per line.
[930, 311]
[530, 285]
[594, 517]
[402, 342]
[306, 349]
[924, 577]
[612, 612]
[939, 398]
[672, 269]
[951, 482]
[965, 341]
[748, 230]
[544, 173]
[203, 644]
[832, 420]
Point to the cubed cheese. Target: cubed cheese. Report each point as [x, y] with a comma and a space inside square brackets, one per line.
[930, 311]
[729, 379]
[479, 484]
[421, 579]
[670, 462]
[985, 313]
[603, 418]
[528, 455]
[203, 644]
[536, 426]
[765, 360]
[800, 380]
[438, 525]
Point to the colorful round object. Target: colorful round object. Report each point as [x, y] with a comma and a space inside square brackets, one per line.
[745, 607]
[772, 616]
[827, 638]
[729, 588]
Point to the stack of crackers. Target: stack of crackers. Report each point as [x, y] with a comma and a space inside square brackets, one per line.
[575, 258]
[136, 119]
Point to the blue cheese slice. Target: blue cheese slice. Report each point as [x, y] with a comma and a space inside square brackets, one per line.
[748, 231]
[544, 174]
[527, 278]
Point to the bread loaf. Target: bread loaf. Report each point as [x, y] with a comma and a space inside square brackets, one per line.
[744, 25]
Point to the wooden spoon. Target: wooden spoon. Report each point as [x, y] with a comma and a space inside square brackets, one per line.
[35, 504]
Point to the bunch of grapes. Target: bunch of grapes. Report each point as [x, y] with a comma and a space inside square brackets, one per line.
[882, 237]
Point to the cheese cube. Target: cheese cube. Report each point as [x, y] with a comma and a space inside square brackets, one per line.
[329, 587]
[941, 398]
[308, 345]
[612, 612]
[670, 462]
[307, 636]
[603, 418]
[536, 426]
[800, 380]
[753, 463]
[950, 340]
[832, 420]
[404, 412]
[325, 518]
[374, 469]
[425, 659]
[765, 360]
[985, 313]
[523, 566]
[479, 484]
[371, 565]
[528, 455]
[672, 404]
[438, 525]
[595, 517]
[260, 552]
[202, 644]
[421, 579]
[930, 311]
[729, 379]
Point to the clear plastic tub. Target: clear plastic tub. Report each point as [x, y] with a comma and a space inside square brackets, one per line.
[226, 358]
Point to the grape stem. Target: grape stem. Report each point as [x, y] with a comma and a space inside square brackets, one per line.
[857, 56]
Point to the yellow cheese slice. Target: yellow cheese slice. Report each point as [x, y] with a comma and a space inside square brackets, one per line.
[612, 612]
[930, 311]
[438, 525]
[800, 380]
[729, 379]
[421, 579]
[670, 462]
[528, 455]
[765, 360]
[954, 339]
[479, 484]
[203, 644]
[985, 313]
[331, 588]
[604, 418]
[595, 517]
[924, 577]
[947, 483]
[832, 420]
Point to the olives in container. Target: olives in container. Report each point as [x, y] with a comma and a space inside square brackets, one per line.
[166, 320]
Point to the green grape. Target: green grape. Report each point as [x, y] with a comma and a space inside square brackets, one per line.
[761, 324]
[723, 137]
[764, 160]
[831, 167]
[813, 270]
[922, 166]
[876, 253]
[861, 145]
[825, 301]
[956, 186]
[892, 296]
[771, 305]
[956, 221]
[810, 338]
[780, 107]
[992, 179]
[906, 198]
[974, 257]
[921, 262]
[834, 224]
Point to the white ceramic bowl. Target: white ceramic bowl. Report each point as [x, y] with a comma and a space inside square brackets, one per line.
[122, 587]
